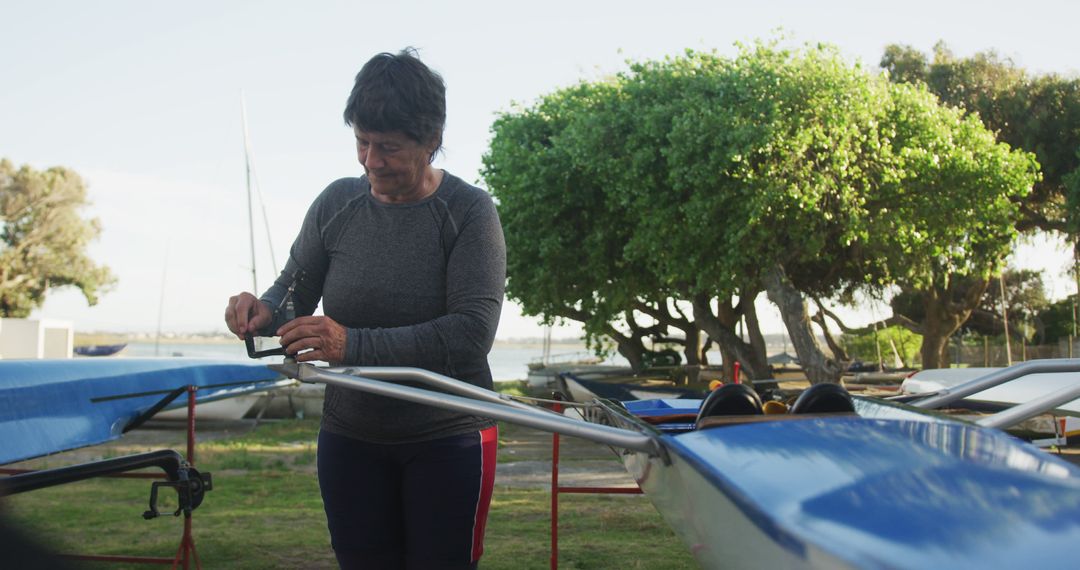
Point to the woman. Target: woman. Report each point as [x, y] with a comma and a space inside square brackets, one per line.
[409, 262]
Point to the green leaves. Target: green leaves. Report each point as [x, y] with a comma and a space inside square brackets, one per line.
[694, 174]
[43, 239]
[1040, 114]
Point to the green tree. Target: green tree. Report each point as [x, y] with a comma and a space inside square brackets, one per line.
[703, 180]
[1024, 300]
[869, 345]
[563, 241]
[964, 190]
[43, 238]
[1058, 320]
[820, 179]
[1039, 114]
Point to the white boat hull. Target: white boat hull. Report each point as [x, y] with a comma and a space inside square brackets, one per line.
[1011, 393]
[302, 401]
[219, 410]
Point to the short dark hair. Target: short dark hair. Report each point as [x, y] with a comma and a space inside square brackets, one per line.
[397, 92]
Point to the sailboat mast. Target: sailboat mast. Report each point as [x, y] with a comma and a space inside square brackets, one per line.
[546, 359]
[251, 220]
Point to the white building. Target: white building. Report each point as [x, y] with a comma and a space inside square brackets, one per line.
[36, 338]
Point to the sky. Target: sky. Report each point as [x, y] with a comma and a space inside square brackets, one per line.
[143, 99]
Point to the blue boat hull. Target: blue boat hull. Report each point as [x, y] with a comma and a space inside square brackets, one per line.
[48, 406]
[890, 489]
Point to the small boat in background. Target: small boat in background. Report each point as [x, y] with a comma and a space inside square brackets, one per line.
[300, 401]
[577, 388]
[99, 349]
[582, 389]
[996, 396]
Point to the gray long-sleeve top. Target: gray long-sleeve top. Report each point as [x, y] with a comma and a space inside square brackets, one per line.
[417, 284]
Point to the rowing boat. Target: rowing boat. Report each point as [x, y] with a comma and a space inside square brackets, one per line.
[883, 487]
[580, 388]
[998, 396]
[99, 349]
[875, 484]
[49, 406]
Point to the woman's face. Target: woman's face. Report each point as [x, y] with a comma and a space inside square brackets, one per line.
[395, 164]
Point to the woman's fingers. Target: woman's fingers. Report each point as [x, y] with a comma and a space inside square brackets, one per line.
[321, 337]
[246, 314]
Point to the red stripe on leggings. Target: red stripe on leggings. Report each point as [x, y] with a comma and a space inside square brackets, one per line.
[489, 445]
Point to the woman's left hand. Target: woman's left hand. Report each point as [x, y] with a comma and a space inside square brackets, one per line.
[321, 337]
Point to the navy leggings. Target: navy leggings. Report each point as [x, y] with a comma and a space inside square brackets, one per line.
[412, 505]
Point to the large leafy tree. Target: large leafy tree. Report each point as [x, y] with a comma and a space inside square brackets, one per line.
[1036, 113]
[707, 180]
[629, 143]
[1040, 114]
[765, 159]
[564, 243]
[962, 189]
[851, 183]
[43, 238]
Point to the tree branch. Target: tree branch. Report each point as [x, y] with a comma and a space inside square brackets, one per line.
[838, 351]
[836, 319]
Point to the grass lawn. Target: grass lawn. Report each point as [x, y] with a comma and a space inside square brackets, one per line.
[265, 512]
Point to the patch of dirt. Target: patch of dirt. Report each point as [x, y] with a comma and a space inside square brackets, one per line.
[537, 474]
[525, 461]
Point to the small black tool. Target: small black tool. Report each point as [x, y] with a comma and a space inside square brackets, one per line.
[289, 309]
[249, 341]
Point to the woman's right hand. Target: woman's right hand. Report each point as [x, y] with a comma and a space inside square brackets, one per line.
[246, 314]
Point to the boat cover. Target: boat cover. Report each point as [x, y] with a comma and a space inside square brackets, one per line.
[48, 406]
[882, 493]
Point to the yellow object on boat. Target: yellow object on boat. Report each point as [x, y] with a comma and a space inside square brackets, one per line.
[774, 407]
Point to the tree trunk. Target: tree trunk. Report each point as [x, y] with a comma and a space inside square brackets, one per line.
[838, 351]
[631, 348]
[818, 367]
[757, 340]
[943, 317]
[704, 352]
[935, 340]
[691, 335]
[693, 346]
[934, 349]
[721, 328]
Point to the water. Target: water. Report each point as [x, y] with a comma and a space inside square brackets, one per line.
[228, 351]
[507, 362]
